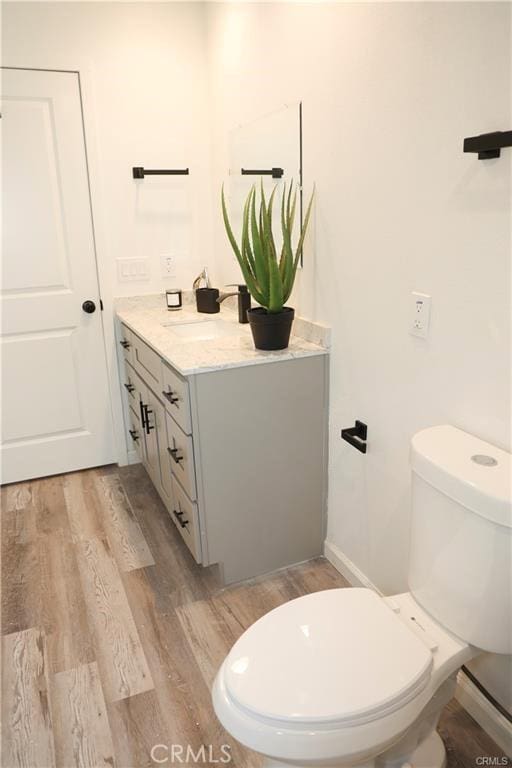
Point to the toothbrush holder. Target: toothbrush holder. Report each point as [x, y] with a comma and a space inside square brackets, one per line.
[206, 300]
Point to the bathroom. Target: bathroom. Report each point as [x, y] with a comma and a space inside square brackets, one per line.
[381, 97]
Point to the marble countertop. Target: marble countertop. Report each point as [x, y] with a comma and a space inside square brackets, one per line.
[149, 318]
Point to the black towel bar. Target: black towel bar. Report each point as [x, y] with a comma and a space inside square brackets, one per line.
[488, 145]
[276, 173]
[139, 173]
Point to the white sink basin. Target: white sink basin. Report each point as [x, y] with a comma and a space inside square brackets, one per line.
[203, 330]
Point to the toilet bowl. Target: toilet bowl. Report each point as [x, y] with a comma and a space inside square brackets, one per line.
[338, 677]
[346, 677]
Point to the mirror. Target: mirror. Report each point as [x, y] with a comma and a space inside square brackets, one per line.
[272, 142]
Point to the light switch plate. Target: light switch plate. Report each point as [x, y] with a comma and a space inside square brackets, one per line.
[420, 314]
[129, 270]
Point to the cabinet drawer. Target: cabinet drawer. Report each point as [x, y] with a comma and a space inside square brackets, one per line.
[130, 387]
[135, 431]
[164, 458]
[181, 453]
[186, 518]
[147, 363]
[126, 342]
[177, 401]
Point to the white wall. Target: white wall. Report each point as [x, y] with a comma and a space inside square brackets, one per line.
[144, 71]
[389, 92]
[143, 74]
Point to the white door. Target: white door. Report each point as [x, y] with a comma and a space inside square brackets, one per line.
[56, 413]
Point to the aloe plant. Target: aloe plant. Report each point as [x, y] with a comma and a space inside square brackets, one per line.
[269, 277]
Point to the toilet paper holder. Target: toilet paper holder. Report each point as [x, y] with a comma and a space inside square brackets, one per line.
[356, 435]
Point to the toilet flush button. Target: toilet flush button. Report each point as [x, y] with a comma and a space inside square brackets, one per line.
[483, 460]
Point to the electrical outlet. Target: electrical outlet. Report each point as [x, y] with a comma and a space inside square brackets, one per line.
[420, 314]
[168, 265]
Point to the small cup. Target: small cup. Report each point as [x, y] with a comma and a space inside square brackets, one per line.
[173, 299]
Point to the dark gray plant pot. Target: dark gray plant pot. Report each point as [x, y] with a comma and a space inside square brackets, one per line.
[271, 330]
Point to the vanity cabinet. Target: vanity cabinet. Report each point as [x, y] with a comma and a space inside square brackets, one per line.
[238, 455]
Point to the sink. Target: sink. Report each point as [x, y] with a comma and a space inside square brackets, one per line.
[202, 330]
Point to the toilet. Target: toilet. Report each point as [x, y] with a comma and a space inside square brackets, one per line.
[347, 677]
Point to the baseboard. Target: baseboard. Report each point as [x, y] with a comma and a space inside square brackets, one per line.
[133, 458]
[467, 694]
[348, 569]
[481, 709]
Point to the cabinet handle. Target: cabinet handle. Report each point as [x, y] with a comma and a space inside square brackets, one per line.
[133, 435]
[145, 418]
[174, 455]
[178, 516]
[170, 397]
[125, 344]
[130, 387]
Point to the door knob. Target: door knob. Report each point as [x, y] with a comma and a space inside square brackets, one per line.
[89, 306]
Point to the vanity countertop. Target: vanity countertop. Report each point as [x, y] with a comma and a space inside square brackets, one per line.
[148, 317]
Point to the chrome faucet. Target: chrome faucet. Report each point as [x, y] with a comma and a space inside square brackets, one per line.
[203, 276]
[225, 296]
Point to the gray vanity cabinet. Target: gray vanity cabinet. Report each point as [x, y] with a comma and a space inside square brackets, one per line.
[237, 455]
[151, 435]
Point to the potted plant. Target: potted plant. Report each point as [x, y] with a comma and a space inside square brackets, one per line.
[269, 276]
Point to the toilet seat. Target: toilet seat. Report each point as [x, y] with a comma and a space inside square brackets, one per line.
[332, 659]
[354, 629]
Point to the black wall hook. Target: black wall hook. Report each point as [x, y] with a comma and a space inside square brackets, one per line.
[276, 173]
[488, 145]
[356, 436]
[138, 172]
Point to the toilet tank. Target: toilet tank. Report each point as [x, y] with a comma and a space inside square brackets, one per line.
[461, 535]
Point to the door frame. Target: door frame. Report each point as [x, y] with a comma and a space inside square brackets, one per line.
[85, 72]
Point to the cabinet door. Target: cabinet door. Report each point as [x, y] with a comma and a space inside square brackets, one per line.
[147, 363]
[136, 397]
[136, 432]
[126, 342]
[149, 428]
[164, 459]
[186, 519]
[181, 452]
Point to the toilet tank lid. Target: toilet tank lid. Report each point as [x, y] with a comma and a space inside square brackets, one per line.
[474, 473]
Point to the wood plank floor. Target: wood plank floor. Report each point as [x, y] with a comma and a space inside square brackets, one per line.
[112, 635]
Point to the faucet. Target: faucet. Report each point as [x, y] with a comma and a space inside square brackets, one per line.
[202, 276]
[244, 301]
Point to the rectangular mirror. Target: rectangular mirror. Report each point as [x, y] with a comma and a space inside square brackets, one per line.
[272, 144]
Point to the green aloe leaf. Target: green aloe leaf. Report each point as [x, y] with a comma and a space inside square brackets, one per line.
[260, 264]
[289, 287]
[286, 265]
[246, 272]
[229, 231]
[276, 287]
[269, 279]
[304, 227]
[246, 243]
